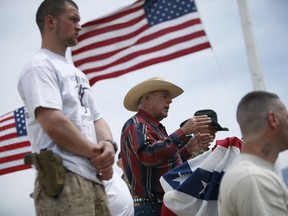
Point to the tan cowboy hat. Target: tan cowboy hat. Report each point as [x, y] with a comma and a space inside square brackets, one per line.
[153, 84]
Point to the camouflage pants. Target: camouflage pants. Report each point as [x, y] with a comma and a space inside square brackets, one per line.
[78, 197]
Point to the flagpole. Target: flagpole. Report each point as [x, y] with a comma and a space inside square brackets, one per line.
[254, 65]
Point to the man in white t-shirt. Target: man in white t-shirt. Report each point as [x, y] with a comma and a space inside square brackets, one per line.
[251, 186]
[62, 117]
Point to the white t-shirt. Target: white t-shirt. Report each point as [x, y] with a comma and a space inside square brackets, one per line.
[50, 81]
[251, 187]
[119, 196]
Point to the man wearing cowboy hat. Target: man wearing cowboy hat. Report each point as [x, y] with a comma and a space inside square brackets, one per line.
[212, 129]
[147, 150]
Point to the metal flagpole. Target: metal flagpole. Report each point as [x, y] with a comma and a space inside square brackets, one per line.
[255, 69]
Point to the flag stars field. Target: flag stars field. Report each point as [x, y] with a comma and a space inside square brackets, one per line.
[181, 178]
[205, 185]
[20, 122]
[161, 11]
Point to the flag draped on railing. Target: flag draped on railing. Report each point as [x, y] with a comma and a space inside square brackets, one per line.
[142, 34]
[192, 188]
[14, 142]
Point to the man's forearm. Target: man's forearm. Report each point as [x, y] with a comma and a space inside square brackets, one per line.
[64, 133]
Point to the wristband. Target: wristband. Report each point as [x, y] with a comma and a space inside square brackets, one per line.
[114, 144]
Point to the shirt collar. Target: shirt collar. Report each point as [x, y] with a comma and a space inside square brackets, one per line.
[257, 160]
[148, 117]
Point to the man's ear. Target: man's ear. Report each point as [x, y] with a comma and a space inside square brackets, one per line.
[50, 21]
[272, 120]
[146, 97]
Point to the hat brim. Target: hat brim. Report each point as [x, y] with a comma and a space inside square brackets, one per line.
[218, 126]
[132, 97]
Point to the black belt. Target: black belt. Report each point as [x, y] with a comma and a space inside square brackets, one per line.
[146, 200]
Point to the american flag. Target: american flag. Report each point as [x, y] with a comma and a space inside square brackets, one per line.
[142, 34]
[192, 188]
[14, 142]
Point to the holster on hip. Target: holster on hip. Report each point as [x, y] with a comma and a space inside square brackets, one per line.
[51, 172]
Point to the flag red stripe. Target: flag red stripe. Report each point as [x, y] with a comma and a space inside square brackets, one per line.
[115, 16]
[15, 146]
[8, 126]
[13, 157]
[153, 49]
[230, 141]
[8, 136]
[110, 28]
[14, 169]
[166, 211]
[151, 62]
[107, 42]
[171, 29]
[6, 119]
[129, 36]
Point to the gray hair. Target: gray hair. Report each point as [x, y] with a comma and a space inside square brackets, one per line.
[253, 108]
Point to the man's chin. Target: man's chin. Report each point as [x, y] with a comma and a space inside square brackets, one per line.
[165, 115]
[72, 43]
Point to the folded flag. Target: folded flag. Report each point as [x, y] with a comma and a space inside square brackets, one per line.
[192, 188]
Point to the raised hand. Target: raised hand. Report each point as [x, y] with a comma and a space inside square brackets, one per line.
[195, 123]
[199, 142]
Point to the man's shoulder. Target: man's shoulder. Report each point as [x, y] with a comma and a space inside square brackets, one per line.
[132, 121]
[39, 59]
[136, 119]
[246, 172]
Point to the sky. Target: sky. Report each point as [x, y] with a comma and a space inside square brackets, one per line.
[215, 78]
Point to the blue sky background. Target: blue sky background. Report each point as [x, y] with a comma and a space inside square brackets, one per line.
[215, 78]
